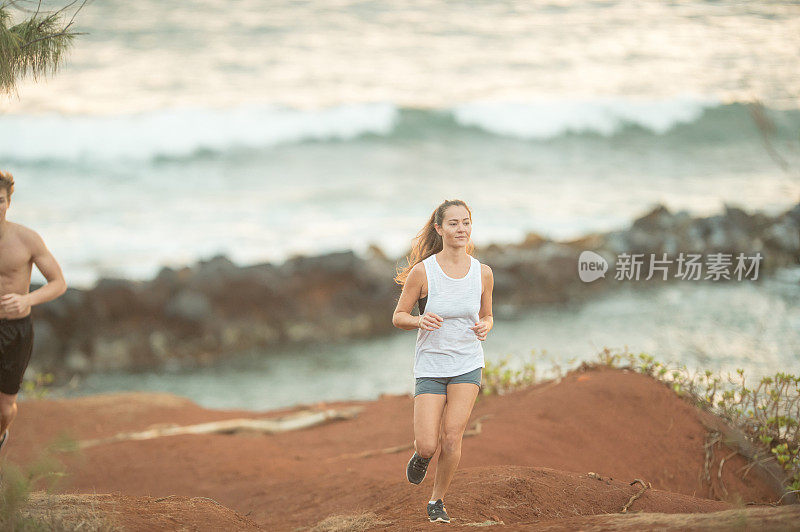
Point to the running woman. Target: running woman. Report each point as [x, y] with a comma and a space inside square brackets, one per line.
[20, 249]
[454, 293]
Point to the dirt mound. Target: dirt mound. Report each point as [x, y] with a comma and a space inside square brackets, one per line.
[782, 519]
[519, 494]
[115, 512]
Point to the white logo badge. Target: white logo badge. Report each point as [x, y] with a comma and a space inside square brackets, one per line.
[591, 266]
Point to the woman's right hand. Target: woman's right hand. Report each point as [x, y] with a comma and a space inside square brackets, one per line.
[430, 321]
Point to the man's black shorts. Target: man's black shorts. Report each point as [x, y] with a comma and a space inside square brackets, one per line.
[16, 345]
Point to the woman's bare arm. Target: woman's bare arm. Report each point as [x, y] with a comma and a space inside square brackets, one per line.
[486, 320]
[412, 289]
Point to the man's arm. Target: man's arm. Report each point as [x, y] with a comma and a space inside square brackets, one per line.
[46, 263]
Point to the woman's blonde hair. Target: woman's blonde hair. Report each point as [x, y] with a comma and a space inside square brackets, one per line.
[428, 241]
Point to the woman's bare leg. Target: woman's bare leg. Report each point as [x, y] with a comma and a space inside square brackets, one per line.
[460, 400]
[428, 410]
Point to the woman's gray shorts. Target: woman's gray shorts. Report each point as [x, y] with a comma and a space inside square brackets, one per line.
[439, 384]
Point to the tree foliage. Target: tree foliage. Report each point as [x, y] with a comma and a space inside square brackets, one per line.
[36, 43]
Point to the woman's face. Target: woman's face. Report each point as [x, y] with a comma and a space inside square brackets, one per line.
[456, 226]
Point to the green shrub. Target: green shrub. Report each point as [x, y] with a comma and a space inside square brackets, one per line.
[498, 378]
[45, 473]
[37, 387]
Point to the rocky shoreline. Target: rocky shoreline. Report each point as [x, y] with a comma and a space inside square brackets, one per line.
[196, 315]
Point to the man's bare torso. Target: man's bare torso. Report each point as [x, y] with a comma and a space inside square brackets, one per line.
[16, 262]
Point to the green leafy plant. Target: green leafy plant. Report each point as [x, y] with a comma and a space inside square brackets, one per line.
[499, 378]
[38, 387]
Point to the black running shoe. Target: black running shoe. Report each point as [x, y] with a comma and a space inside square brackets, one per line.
[416, 468]
[436, 512]
[4, 440]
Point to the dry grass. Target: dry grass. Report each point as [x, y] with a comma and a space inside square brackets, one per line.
[782, 518]
[68, 512]
[349, 523]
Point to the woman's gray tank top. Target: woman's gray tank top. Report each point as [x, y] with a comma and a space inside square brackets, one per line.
[452, 349]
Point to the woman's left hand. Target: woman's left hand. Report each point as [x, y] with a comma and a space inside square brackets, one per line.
[481, 329]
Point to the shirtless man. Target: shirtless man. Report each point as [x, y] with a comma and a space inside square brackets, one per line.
[20, 248]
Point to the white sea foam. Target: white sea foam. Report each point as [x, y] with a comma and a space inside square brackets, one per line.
[182, 132]
[606, 116]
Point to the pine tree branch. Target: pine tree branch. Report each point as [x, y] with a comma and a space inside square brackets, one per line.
[68, 6]
[16, 4]
[75, 14]
[37, 45]
[54, 36]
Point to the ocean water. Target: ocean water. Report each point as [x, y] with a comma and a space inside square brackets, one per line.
[261, 129]
[176, 131]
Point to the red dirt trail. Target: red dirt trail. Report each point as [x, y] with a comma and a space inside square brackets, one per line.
[528, 465]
